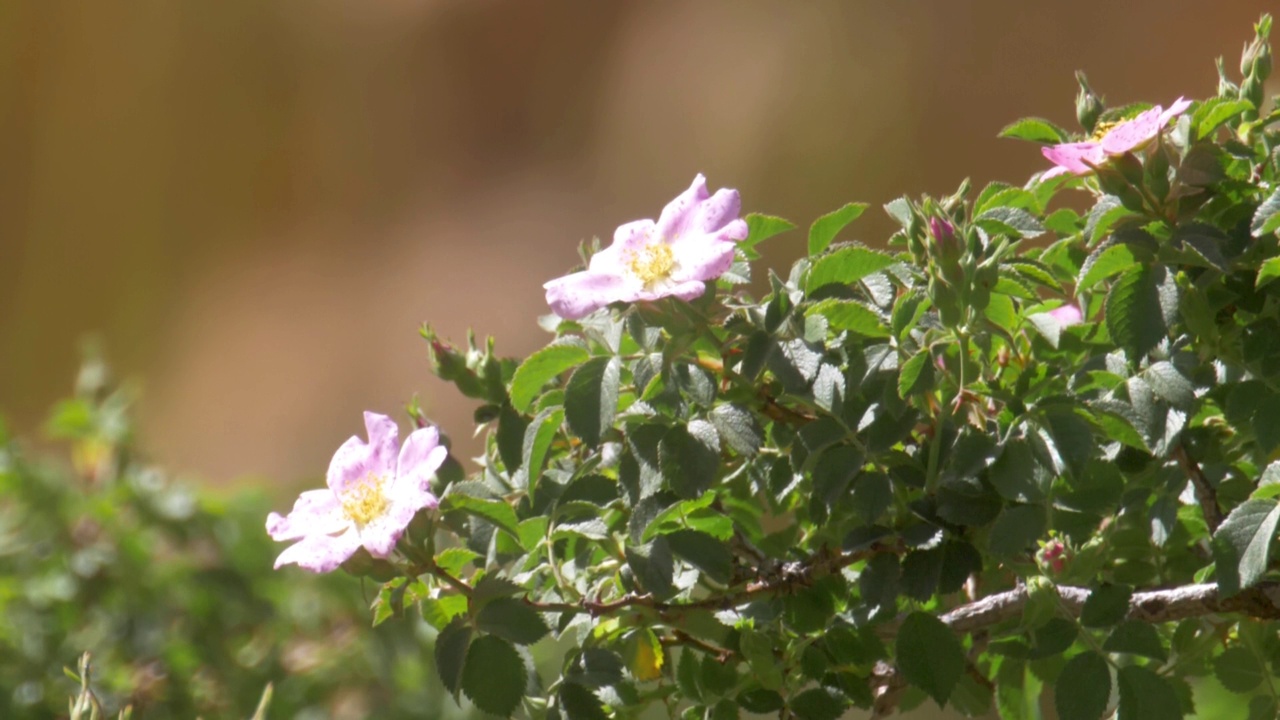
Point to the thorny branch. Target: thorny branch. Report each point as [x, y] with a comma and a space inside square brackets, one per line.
[1154, 606]
[1205, 494]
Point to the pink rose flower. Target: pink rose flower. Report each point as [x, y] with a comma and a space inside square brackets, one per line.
[692, 242]
[1067, 315]
[1076, 158]
[372, 494]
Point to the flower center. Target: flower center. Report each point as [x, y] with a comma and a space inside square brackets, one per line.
[364, 502]
[654, 263]
[1101, 129]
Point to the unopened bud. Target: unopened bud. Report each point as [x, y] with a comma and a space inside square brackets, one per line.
[1227, 90]
[1255, 60]
[1088, 105]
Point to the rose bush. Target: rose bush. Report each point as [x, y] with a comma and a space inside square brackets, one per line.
[1029, 447]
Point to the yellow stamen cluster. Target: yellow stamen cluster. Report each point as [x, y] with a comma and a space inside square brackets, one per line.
[365, 501]
[654, 263]
[1101, 129]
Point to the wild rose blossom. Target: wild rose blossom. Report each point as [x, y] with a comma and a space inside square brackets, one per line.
[372, 494]
[1134, 133]
[1067, 315]
[692, 242]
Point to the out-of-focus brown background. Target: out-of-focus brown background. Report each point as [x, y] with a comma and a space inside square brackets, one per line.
[256, 203]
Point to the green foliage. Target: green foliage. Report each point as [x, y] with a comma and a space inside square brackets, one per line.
[1026, 446]
[173, 593]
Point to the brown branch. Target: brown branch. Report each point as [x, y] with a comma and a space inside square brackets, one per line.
[1155, 606]
[680, 637]
[1205, 494]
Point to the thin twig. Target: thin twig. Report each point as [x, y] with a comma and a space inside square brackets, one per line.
[1205, 494]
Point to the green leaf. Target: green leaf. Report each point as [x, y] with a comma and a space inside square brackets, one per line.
[653, 566]
[492, 587]
[1215, 111]
[1023, 223]
[591, 398]
[1135, 309]
[451, 653]
[1016, 530]
[1144, 695]
[704, 552]
[1107, 260]
[513, 620]
[824, 229]
[1170, 384]
[495, 511]
[494, 676]
[580, 703]
[1267, 218]
[845, 266]
[1107, 605]
[1014, 473]
[1269, 271]
[818, 703]
[758, 650]
[1136, 638]
[1242, 544]
[850, 315]
[738, 428]
[540, 368]
[689, 458]
[511, 428]
[761, 228]
[1238, 670]
[454, 559]
[916, 374]
[1035, 130]
[1263, 707]
[644, 655]
[929, 655]
[537, 442]
[1084, 687]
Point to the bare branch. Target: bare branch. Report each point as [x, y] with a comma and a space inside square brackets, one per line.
[1205, 494]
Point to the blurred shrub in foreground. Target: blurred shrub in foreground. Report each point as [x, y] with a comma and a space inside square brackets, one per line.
[173, 593]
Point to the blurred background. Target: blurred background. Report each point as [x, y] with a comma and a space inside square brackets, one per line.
[254, 205]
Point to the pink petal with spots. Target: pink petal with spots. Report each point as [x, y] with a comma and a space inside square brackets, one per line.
[320, 553]
[688, 290]
[315, 512]
[716, 212]
[1073, 156]
[350, 465]
[1178, 107]
[577, 295]
[679, 213]
[700, 257]
[384, 443]
[420, 457]
[1067, 315]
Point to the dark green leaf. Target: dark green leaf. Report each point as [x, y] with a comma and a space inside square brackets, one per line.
[580, 703]
[653, 566]
[1135, 310]
[591, 398]
[836, 468]
[1107, 260]
[760, 701]
[494, 676]
[540, 368]
[689, 458]
[1215, 111]
[738, 428]
[1084, 687]
[824, 229]
[1035, 130]
[1263, 707]
[1242, 544]
[845, 266]
[1238, 670]
[1170, 384]
[1016, 530]
[704, 552]
[495, 511]
[1136, 638]
[510, 437]
[1270, 270]
[1107, 605]
[513, 620]
[1144, 695]
[1015, 473]
[916, 374]
[758, 650]
[817, 704]
[929, 655]
[451, 653]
